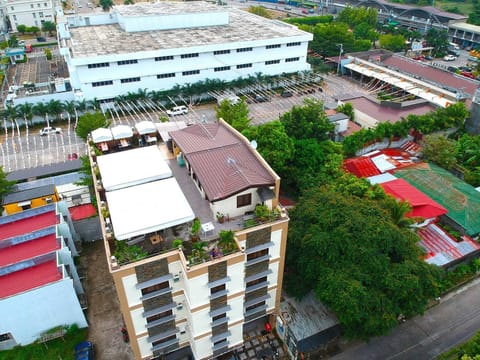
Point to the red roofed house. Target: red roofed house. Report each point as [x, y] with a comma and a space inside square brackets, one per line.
[422, 205]
[39, 285]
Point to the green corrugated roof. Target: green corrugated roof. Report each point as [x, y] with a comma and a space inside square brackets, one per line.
[460, 199]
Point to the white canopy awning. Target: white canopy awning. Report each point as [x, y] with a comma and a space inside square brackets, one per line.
[121, 132]
[145, 127]
[101, 135]
[149, 207]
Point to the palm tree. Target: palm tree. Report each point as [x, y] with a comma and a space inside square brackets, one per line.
[25, 111]
[142, 94]
[93, 104]
[10, 113]
[41, 109]
[398, 210]
[81, 106]
[55, 107]
[70, 107]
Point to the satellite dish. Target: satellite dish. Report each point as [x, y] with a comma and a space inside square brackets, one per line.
[253, 144]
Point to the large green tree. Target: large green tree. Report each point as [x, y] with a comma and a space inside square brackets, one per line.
[273, 144]
[234, 114]
[358, 262]
[307, 122]
[49, 27]
[391, 42]
[358, 15]
[440, 150]
[438, 39]
[328, 37]
[89, 122]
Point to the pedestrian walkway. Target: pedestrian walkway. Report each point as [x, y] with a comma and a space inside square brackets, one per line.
[257, 346]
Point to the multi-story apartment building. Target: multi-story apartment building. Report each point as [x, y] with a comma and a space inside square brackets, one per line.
[39, 285]
[28, 12]
[217, 197]
[159, 45]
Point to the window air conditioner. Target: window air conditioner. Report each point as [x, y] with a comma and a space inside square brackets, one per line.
[179, 306]
[176, 277]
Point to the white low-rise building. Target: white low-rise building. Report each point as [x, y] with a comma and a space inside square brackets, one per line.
[28, 12]
[157, 46]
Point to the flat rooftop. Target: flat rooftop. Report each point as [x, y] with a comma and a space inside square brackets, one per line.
[102, 40]
[384, 113]
[30, 278]
[166, 8]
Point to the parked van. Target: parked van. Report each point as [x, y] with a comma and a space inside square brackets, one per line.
[177, 110]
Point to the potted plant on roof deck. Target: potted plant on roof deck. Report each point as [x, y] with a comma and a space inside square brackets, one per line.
[195, 229]
[220, 217]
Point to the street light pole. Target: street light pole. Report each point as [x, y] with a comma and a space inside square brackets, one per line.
[339, 57]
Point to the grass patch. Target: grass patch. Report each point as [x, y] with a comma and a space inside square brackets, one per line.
[463, 8]
[44, 44]
[469, 348]
[55, 349]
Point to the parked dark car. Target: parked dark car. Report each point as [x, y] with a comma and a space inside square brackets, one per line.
[261, 98]
[428, 57]
[286, 93]
[41, 39]
[84, 351]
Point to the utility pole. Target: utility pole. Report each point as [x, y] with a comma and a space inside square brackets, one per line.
[339, 57]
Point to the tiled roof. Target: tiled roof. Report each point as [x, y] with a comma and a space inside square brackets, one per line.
[223, 162]
[361, 167]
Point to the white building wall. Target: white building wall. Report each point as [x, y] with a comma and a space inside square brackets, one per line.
[229, 205]
[276, 238]
[131, 292]
[29, 12]
[28, 314]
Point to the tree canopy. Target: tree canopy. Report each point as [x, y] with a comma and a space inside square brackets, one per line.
[359, 262]
[89, 122]
[234, 114]
[6, 186]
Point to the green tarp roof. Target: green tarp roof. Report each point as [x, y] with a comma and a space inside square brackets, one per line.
[460, 199]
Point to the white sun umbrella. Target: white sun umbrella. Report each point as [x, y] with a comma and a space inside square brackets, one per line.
[101, 135]
[121, 132]
[145, 127]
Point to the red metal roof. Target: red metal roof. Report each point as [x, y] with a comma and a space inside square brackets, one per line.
[28, 249]
[224, 163]
[27, 225]
[422, 205]
[29, 278]
[361, 167]
[82, 211]
[441, 247]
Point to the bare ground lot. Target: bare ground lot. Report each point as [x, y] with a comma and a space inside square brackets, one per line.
[104, 317]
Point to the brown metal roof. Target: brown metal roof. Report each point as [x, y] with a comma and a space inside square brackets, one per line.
[224, 163]
[431, 74]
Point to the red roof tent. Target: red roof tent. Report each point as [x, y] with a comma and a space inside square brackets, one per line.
[82, 211]
[221, 160]
[28, 250]
[422, 205]
[26, 225]
[361, 167]
[29, 278]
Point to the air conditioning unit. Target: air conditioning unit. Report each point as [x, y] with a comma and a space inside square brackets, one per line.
[176, 277]
[179, 306]
[48, 200]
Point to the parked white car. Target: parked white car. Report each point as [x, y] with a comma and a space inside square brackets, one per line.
[449, 58]
[50, 130]
[177, 110]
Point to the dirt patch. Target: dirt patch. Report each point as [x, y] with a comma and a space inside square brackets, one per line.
[104, 317]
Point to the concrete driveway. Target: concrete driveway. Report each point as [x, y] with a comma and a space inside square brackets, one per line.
[103, 314]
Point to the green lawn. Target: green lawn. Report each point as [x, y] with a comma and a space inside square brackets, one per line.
[54, 349]
[464, 8]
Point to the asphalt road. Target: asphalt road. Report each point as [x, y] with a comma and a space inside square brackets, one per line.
[452, 322]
